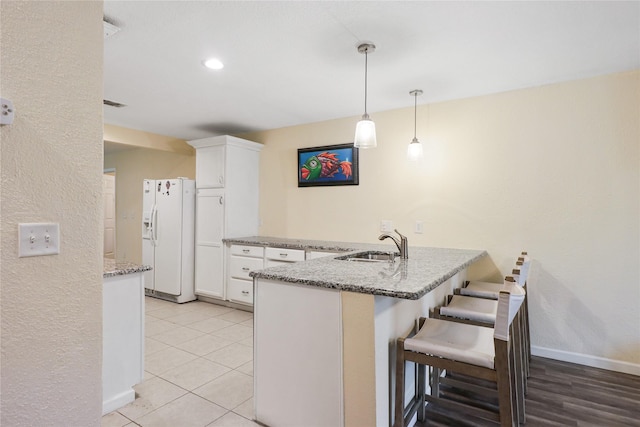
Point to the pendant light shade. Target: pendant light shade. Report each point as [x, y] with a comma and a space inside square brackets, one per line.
[365, 129]
[414, 151]
[365, 133]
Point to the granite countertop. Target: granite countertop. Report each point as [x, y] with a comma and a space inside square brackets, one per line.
[315, 245]
[426, 268]
[119, 268]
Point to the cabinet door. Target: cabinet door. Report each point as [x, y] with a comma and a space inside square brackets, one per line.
[210, 170]
[209, 277]
[209, 280]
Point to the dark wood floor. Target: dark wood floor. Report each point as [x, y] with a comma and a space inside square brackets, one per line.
[562, 394]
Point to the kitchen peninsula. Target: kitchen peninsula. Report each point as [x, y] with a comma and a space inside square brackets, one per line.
[325, 329]
[122, 332]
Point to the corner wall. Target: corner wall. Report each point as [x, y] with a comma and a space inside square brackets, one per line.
[51, 171]
[553, 170]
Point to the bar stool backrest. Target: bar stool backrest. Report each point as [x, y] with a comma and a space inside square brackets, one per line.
[509, 302]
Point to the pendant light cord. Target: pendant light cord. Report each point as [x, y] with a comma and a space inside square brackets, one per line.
[366, 55]
[415, 115]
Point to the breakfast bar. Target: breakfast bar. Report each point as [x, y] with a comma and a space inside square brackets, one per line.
[324, 330]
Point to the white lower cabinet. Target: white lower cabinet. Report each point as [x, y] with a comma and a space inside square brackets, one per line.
[209, 281]
[242, 260]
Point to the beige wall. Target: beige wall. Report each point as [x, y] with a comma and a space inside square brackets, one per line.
[51, 306]
[553, 170]
[141, 139]
[132, 166]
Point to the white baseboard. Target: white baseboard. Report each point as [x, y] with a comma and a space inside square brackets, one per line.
[587, 360]
[118, 401]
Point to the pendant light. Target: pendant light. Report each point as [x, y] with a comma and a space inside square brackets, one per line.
[414, 151]
[365, 129]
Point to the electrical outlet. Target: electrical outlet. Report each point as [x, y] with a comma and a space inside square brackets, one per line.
[386, 226]
[418, 227]
[36, 239]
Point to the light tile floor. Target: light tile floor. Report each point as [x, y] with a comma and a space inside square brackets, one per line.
[198, 368]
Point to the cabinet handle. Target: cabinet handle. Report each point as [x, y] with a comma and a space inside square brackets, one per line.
[245, 251]
[245, 292]
[220, 179]
[284, 255]
[220, 200]
[245, 268]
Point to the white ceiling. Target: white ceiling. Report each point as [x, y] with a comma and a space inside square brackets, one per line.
[289, 63]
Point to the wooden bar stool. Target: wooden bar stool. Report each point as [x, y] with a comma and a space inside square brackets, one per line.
[483, 312]
[488, 290]
[471, 350]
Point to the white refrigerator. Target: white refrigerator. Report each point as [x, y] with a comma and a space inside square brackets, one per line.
[168, 229]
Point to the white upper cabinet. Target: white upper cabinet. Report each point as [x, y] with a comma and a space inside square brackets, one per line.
[210, 167]
[224, 161]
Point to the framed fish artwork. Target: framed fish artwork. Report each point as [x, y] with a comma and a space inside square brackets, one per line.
[328, 165]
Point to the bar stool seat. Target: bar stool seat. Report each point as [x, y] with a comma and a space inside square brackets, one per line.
[480, 289]
[479, 310]
[456, 341]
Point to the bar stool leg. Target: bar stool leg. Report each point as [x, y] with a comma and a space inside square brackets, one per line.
[435, 382]
[518, 375]
[421, 381]
[399, 406]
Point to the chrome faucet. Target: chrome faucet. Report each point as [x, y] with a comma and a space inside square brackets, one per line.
[402, 244]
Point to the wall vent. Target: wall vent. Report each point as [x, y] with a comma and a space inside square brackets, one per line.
[112, 103]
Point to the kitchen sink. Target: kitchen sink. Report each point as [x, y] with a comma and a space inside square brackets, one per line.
[370, 256]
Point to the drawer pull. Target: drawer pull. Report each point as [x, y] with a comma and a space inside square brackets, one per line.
[245, 268]
[245, 293]
[284, 255]
[245, 251]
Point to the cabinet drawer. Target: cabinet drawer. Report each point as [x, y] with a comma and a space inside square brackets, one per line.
[240, 291]
[288, 255]
[240, 266]
[252, 251]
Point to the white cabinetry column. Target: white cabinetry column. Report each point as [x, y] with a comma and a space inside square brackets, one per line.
[227, 183]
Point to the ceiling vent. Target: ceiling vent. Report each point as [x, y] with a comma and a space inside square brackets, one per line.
[112, 103]
[109, 29]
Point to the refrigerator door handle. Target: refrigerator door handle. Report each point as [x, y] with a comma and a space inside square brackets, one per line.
[153, 234]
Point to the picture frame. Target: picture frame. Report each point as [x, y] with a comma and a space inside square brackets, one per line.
[328, 165]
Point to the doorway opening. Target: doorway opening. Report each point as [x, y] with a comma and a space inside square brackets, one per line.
[109, 203]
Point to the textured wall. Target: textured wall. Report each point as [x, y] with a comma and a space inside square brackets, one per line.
[51, 307]
[133, 166]
[552, 169]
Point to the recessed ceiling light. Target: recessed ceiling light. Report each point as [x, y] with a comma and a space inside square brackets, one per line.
[214, 64]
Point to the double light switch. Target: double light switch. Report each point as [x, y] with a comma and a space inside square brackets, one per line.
[36, 239]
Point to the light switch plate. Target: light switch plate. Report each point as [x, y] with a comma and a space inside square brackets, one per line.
[37, 239]
[386, 226]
